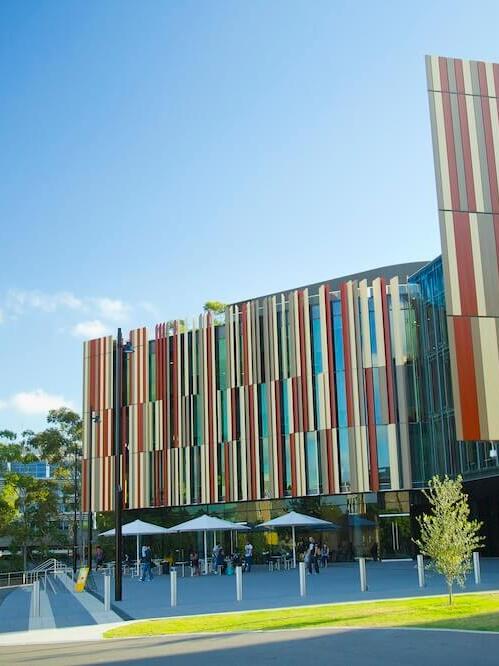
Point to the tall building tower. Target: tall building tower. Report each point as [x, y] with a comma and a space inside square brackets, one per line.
[465, 129]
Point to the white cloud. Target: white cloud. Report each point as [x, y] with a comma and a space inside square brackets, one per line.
[34, 402]
[90, 329]
[112, 309]
[18, 301]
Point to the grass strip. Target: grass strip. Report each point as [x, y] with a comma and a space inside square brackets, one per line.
[469, 611]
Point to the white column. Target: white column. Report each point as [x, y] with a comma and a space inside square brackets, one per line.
[294, 547]
[173, 587]
[107, 592]
[303, 582]
[239, 583]
[363, 574]
[205, 555]
[476, 567]
[138, 555]
[420, 561]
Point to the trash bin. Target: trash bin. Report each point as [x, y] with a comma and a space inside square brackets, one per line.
[165, 568]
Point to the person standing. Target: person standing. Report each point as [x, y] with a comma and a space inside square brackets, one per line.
[99, 557]
[324, 555]
[146, 564]
[311, 557]
[248, 555]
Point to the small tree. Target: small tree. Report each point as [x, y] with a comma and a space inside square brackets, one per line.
[217, 309]
[448, 537]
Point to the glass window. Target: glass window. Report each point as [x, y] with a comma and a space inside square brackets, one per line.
[312, 463]
[383, 456]
[344, 459]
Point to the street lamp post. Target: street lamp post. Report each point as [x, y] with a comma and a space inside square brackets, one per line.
[93, 418]
[118, 489]
[75, 502]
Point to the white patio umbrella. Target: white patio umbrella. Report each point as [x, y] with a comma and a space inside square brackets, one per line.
[205, 524]
[294, 519]
[138, 528]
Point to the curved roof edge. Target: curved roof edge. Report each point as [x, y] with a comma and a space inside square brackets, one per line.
[402, 271]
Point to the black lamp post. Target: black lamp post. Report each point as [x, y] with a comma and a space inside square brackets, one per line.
[118, 490]
[75, 503]
[93, 418]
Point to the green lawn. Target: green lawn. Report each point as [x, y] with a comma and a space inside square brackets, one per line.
[469, 611]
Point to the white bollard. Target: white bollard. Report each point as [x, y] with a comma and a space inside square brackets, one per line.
[173, 587]
[420, 562]
[107, 592]
[303, 581]
[476, 567]
[363, 574]
[239, 583]
[36, 599]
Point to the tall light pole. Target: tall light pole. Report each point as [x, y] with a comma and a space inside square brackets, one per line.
[75, 502]
[118, 450]
[93, 418]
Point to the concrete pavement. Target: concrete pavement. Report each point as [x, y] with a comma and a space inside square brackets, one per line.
[351, 647]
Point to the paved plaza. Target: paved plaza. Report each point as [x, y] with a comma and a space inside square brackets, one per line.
[60, 607]
[264, 589]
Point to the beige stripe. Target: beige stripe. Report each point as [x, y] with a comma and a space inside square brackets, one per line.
[435, 72]
[495, 131]
[364, 318]
[442, 151]
[393, 456]
[379, 323]
[490, 362]
[489, 71]
[452, 263]
[475, 155]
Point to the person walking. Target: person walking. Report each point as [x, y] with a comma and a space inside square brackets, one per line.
[248, 555]
[146, 561]
[324, 555]
[311, 557]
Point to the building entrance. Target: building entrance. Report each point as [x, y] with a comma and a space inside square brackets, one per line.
[395, 536]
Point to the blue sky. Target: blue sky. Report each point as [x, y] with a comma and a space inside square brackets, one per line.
[156, 155]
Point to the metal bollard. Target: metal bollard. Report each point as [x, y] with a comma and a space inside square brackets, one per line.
[36, 599]
[239, 583]
[476, 567]
[420, 562]
[107, 592]
[363, 574]
[173, 587]
[303, 581]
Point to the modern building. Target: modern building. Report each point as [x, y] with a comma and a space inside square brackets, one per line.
[341, 398]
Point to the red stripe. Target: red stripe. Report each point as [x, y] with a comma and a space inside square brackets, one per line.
[346, 352]
[482, 79]
[467, 378]
[465, 137]
[371, 426]
[465, 268]
[489, 149]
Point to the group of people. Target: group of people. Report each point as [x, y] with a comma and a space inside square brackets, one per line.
[315, 554]
[224, 564]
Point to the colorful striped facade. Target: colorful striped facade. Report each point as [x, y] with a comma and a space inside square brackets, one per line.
[302, 393]
[465, 127]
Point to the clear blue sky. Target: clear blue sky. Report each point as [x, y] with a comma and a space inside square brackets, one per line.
[155, 155]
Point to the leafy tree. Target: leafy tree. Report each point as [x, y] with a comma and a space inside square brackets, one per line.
[176, 324]
[448, 537]
[32, 506]
[217, 309]
[61, 446]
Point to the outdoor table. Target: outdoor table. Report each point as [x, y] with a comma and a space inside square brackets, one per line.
[182, 564]
[276, 561]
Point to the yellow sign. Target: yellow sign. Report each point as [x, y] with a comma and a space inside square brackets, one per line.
[82, 579]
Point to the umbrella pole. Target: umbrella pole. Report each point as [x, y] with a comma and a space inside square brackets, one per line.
[294, 547]
[138, 558]
[205, 555]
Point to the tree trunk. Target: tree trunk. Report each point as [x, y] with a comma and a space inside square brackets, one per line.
[450, 593]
